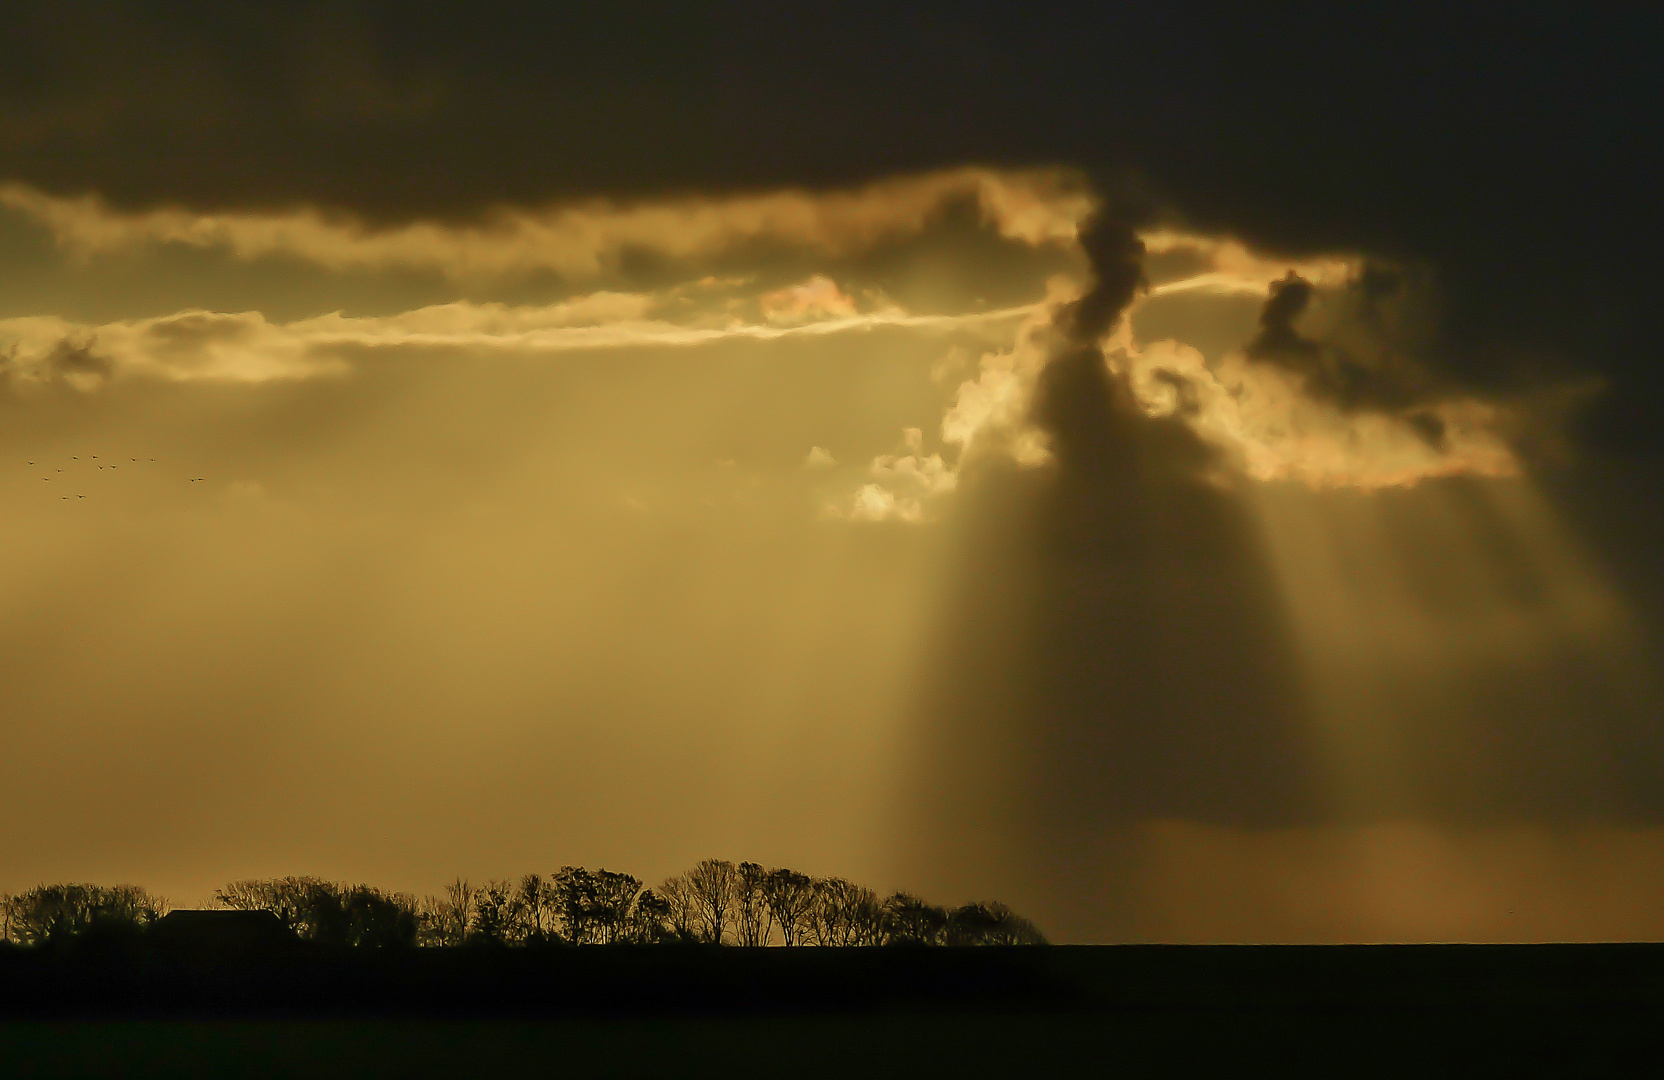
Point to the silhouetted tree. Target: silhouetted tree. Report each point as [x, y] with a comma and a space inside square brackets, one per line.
[577, 897]
[445, 920]
[864, 917]
[494, 916]
[989, 923]
[751, 913]
[820, 921]
[615, 898]
[460, 900]
[49, 913]
[681, 907]
[652, 920]
[711, 885]
[328, 912]
[910, 921]
[532, 901]
[844, 914]
[789, 896]
[379, 919]
[716, 902]
[292, 899]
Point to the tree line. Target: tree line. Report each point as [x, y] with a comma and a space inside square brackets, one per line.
[716, 902]
[57, 912]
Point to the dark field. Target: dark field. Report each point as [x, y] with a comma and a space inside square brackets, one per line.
[122, 1010]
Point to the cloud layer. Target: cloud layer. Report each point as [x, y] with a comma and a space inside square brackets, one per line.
[1279, 406]
[1268, 419]
[583, 239]
[246, 347]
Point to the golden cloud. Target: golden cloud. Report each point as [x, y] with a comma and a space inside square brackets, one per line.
[247, 347]
[817, 298]
[1232, 268]
[1037, 206]
[1271, 429]
[1266, 423]
[1269, 424]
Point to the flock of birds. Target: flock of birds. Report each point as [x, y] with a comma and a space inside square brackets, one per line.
[109, 464]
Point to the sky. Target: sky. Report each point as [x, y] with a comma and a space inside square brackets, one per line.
[1192, 475]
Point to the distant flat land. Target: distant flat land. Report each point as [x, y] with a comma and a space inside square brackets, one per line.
[127, 1010]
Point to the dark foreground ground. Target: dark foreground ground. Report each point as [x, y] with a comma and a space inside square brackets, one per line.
[122, 1009]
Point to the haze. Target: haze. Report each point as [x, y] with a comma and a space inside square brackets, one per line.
[815, 522]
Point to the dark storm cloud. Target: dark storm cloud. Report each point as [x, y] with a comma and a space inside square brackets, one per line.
[1277, 336]
[1149, 580]
[1096, 426]
[1119, 644]
[1121, 647]
[1392, 382]
[1516, 157]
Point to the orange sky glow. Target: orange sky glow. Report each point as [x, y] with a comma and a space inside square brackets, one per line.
[631, 532]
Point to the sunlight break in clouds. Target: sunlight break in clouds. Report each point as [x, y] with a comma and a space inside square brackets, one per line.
[1233, 268]
[246, 347]
[902, 484]
[1272, 430]
[1267, 424]
[817, 298]
[582, 239]
[510, 560]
